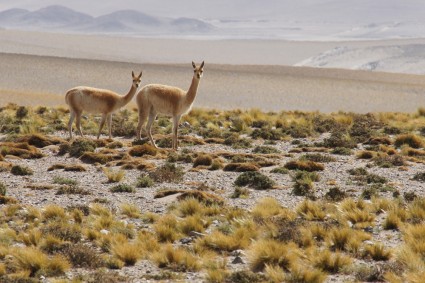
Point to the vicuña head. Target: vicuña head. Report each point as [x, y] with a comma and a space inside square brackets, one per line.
[171, 101]
[95, 100]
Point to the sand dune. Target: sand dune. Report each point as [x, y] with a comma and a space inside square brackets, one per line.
[270, 88]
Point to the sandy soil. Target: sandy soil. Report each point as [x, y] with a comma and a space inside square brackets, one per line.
[42, 80]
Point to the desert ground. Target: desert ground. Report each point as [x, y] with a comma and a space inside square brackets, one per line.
[284, 174]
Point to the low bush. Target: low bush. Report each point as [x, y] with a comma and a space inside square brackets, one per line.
[255, 180]
[122, 188]
[169, 172]
[21, 170]
[411, 140]
[309, 166]
[80, 146]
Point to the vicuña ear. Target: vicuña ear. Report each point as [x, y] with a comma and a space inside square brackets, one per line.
[132, 73]
[140, 74]
[202, 64]
[193, 64]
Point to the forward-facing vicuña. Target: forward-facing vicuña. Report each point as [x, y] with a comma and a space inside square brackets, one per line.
[171, 101]
[95, 100]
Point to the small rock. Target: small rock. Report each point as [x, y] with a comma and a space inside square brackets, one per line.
[368, 229]
[238, 260]
[104, 232]
[237, 253]
[186, 240]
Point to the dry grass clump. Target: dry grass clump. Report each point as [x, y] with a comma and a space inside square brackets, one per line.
[265, 150]
[310, 210]
[203, 160]
[377, 252]
[112, 175]
[102, 158]
[328, 261]
[238, 236]
[241, 167]
[40, 140]
[127, 253]
[411, 140]
[176, 259]
[268, 207]
[366, 154]
[34, 262]
[308, 166]
[81, 255]
[271, 252]
[22, 150]
[141, 150]
[66, 167]
[346, 239]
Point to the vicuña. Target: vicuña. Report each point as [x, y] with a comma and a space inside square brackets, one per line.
[154, 99]
[95, 100]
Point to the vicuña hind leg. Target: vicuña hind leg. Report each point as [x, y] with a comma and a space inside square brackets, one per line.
[143, 115]
[71, 120]
[78, 122]
[152, 116]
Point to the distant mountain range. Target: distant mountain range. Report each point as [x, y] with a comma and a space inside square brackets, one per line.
[63, 19]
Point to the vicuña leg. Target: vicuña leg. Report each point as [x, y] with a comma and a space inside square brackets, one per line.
[102, 123]
[71, 120]
[110, 125]
[143, 115]
[152, 116]
[176, 120]
[78, 122]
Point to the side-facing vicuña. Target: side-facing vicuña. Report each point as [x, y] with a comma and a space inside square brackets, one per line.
[95, 100]
[171, 101]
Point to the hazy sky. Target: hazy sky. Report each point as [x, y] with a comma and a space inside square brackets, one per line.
[292, 10]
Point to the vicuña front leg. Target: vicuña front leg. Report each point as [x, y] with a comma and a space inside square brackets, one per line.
[152, 116]
[175, 131]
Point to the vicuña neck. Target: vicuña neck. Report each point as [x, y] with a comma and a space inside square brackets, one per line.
[191, 93]
[125, 99]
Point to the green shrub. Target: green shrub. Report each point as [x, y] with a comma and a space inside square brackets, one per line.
[317, 157]
[265, 150]
[280, 170]
[80, 146]
[3, 189]
[144, 181]
[255, 180]
[122, 188]
[21, 170]
[420, 176]
[335, 194]
[169, 172]
[342, 151]
[309, 166]
[64, 181]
